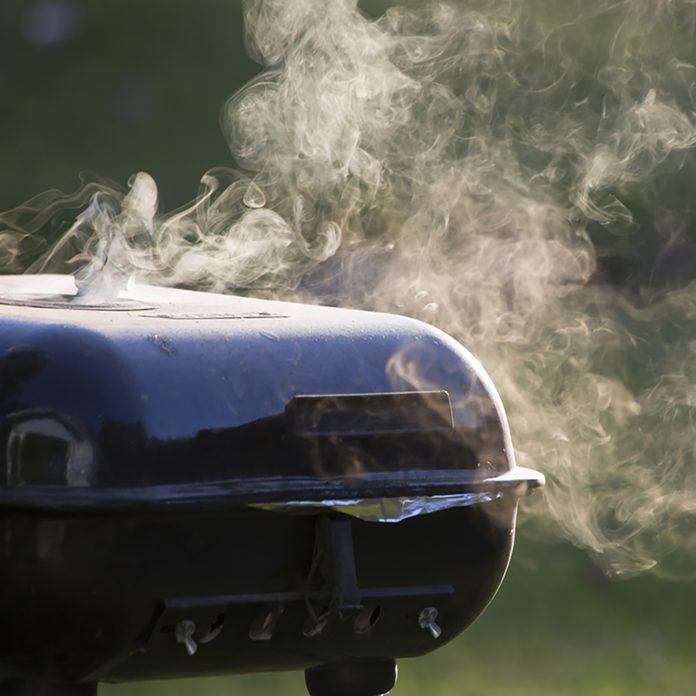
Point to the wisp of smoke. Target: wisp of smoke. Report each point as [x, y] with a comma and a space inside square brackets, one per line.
[479, 166]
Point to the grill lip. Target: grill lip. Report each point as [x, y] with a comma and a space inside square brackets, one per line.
[224, 494]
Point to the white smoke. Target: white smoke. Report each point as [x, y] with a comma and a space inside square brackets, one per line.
[467, 164]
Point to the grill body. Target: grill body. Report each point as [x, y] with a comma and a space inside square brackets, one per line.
[194, 484]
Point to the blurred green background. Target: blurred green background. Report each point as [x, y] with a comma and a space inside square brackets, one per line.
[115, 87]
[118, 86]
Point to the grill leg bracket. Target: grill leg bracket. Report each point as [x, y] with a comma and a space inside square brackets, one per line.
[333, 570]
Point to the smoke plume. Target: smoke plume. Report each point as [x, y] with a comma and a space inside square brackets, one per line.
[494, 168]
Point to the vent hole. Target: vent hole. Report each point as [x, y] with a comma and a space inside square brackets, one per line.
[214, 629]
[366, 619]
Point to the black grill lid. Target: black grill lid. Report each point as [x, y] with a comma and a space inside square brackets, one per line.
[163, 397]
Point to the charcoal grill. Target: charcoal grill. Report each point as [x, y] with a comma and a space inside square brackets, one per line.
[195, 484]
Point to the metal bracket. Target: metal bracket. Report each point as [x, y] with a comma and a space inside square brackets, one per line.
[332, 570]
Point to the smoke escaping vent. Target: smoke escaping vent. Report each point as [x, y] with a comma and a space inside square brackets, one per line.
[518, 174]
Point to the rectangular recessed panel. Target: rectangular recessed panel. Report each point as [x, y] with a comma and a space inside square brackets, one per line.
[359, 414]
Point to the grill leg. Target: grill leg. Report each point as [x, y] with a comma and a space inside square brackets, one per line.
[368, 676]
[27, 687]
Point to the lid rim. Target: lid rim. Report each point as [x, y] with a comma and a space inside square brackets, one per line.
[238, 493]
